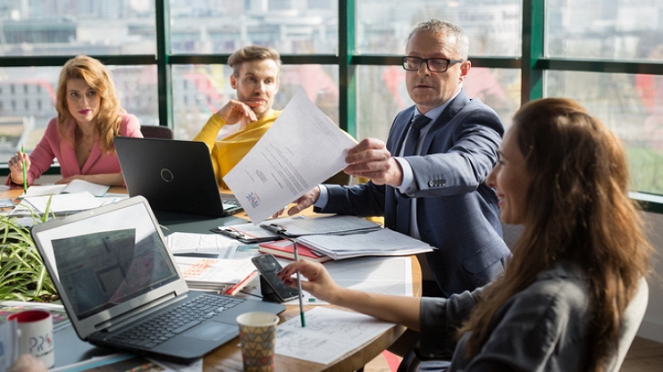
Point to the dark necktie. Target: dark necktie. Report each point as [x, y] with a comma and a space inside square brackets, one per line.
[410, 148]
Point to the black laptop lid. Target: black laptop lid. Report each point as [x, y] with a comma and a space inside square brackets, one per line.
[172, 175]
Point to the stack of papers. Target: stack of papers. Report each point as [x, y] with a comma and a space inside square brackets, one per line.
[214, 274]
[382, 242]
[74, 186]
[296, 226]
[63, 203]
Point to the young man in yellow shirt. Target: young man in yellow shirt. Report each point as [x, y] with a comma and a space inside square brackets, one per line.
[255, 76]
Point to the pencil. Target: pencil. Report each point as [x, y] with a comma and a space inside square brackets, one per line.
[25, 177]
[299, 286]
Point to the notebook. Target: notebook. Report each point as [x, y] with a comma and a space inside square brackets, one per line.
[175, 176]
[116, 278]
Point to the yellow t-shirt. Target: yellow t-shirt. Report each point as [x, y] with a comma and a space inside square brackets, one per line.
[227, 152]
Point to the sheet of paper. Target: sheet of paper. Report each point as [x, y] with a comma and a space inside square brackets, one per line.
[223, 246]
[37, 190]
[128, 362]
[302, 149]
[381, 242]
[385, 275]
[82, 185]
[64, 202]
[214, 271]
[329, 334]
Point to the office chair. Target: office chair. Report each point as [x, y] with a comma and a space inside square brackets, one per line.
[156, 131]
[635, 312]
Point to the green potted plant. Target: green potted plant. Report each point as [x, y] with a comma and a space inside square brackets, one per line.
[23, 276]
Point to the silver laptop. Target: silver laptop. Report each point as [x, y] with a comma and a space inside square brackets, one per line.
[122, 289]
[174, 176]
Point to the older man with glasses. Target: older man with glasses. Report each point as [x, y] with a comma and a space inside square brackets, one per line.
[428, 180]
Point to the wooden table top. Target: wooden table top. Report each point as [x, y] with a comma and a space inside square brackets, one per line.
[228, 357]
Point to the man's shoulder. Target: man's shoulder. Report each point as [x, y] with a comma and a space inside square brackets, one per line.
[408, 112]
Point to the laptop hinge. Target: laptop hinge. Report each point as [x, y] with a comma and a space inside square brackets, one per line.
[139, 312]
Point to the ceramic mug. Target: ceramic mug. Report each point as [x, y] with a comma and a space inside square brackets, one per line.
[35, 334]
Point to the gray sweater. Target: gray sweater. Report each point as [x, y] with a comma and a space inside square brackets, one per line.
[542, 328]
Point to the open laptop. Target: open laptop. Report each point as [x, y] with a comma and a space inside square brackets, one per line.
[117, 280]
[175, 176]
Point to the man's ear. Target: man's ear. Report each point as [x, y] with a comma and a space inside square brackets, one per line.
[233, 81]
[464, 70]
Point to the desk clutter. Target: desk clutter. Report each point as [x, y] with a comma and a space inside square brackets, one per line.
[221, 263]
[59, 200]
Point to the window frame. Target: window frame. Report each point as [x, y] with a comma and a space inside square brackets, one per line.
[532, 65]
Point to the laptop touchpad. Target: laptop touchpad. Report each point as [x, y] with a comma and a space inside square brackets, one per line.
[212, 331]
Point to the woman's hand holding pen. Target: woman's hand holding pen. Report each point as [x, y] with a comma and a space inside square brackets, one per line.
[16, 166]
[319, 283]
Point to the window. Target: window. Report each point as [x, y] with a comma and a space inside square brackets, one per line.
[60, 27]
[224, 26]
[620, 34]
[607, 54]
[605, 29]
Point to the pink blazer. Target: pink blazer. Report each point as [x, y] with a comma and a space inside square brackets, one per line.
[53, 146]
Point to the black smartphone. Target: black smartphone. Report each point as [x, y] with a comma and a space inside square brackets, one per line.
[272, 287]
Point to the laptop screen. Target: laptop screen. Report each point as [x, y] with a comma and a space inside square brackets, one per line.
[103, 269]
[106, 259]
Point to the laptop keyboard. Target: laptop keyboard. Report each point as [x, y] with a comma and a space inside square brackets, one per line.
[177, 320]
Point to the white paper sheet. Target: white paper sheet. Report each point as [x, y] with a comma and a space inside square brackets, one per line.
[301, 149]
[61, 203]
[384, 275]
[224, 247]
[329, 334]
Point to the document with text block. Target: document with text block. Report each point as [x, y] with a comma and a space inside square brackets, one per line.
[302, 149]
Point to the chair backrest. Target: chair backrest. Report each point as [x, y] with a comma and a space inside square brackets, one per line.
[635, 312]
[156, 131]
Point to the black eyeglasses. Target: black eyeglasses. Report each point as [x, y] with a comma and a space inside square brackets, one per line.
[434, 64]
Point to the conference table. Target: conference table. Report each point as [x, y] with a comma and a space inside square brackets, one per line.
[228, 357]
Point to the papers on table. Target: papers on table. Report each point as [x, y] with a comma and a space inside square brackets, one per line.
[294, 226]
[129, 362]
[247, 233]
[209, 273]
[218, 245]
[384, 275]
[63, 203]
[74, 186]
[300, 150]
[382, 242]
[329, 334]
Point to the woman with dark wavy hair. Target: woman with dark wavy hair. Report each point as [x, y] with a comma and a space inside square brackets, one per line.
[81, 136]
[561, 303]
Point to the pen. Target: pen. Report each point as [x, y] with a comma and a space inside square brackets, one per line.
[299, 286]
[25, 177]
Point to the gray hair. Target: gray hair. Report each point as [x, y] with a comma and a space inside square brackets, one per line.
[462, 46]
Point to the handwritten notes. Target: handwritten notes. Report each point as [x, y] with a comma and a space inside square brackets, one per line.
[329, 334]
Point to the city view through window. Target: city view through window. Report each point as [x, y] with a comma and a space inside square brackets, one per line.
[588, 30]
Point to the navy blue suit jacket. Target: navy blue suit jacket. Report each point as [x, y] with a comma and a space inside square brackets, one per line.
[456, 212]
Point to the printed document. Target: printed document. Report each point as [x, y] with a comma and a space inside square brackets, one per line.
[384, 275]
[329, 334]
[302, 149]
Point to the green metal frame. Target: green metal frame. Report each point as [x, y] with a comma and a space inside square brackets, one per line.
[532, 65]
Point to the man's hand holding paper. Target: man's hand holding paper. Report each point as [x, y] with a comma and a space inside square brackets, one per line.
[301, 149]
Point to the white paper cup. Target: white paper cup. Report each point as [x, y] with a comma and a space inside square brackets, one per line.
[35, 334]
[257, 334]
